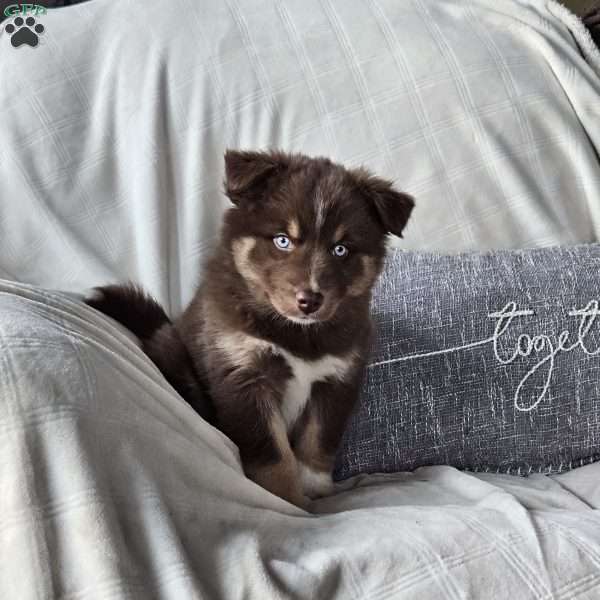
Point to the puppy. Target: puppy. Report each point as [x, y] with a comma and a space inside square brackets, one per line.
[278, 333]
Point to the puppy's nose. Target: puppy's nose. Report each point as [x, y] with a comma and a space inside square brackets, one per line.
[309, 301]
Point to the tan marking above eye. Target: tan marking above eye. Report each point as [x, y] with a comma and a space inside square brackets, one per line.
[340, 233]
[294, 229]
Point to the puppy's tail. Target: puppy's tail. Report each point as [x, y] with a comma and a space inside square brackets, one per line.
[146, 319]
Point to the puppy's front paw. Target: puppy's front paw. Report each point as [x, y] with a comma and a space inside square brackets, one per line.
[315, 484]
[280, 479]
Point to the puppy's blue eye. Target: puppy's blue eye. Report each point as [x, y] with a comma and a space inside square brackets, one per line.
[339, 250]
[283, 242]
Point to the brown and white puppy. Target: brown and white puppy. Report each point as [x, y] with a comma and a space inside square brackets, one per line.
[279, 330]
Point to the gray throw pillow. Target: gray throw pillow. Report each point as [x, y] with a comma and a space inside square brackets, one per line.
[483, 361]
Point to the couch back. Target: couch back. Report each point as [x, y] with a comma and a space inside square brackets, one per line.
[113, 128]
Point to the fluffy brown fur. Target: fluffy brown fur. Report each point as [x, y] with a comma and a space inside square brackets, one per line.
[279, 330]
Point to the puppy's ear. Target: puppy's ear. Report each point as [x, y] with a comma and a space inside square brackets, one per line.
[247, 174]
[392, 208]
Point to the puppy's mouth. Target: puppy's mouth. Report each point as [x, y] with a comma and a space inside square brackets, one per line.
[302, 319]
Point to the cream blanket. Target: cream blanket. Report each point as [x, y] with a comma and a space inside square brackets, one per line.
[112, 487]
[111, 139]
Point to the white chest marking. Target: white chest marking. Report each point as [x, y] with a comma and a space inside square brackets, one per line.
[241, 349]
[305, 373]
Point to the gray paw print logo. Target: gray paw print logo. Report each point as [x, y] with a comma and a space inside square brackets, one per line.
[24, 31]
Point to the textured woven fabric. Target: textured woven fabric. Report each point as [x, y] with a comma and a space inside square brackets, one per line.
[472, 367]
[112, 130]
[113, 488]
